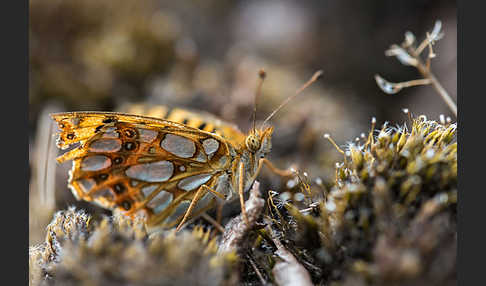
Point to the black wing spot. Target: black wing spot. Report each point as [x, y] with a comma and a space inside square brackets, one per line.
[168, 113]
[202, 126]
[130, 133]
[70, 136]
[185, 121]
[119, 188]
[98, 128]
[129, 146]
[108, 120]
[126, 205]
[103, 177]
[118, 160]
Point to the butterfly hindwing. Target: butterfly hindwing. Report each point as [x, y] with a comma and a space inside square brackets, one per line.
[197, 119]
[136, 163]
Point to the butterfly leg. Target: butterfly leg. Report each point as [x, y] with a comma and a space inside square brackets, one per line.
[217, 226]
[219, 215]
[197, 196]
[199, 193]
[271, 167]
[240, 192]
[217, 222]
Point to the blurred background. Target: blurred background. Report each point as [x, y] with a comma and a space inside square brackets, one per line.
[107, 55]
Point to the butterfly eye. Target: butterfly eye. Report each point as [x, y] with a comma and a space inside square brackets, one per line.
[252, 143]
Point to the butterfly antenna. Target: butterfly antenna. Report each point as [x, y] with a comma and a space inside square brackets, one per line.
[261, 74]
[315, 77]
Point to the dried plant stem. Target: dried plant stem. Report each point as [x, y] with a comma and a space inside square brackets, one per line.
[415, 82]
[425, 72]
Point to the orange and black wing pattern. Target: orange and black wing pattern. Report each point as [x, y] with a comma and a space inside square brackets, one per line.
[139, 164]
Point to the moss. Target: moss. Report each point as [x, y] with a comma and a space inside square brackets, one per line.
[389, 218]
[118, 251]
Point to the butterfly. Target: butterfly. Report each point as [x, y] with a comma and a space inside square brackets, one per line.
[168, 168]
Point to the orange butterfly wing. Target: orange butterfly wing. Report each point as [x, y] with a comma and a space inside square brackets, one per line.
[137, 163]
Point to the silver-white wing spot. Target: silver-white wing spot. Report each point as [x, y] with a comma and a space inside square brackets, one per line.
[160, 201]
[147, 135]
[159, 171]
[103, 193]
[193, 182]
[178, 145]
[86, 184]
[95, 163]
[201, 157]
[179, 211]
[105, 145]
[148, 190]
[110, 133]
[75, 121]
[210, 146]
[134, 183]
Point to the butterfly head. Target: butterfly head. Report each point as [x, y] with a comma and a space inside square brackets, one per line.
[259, 141]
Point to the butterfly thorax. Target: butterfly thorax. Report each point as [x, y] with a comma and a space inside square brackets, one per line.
[256, 146]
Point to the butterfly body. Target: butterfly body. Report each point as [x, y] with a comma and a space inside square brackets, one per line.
[159, 167]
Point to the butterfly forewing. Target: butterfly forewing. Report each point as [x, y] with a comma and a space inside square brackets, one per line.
[137, 163]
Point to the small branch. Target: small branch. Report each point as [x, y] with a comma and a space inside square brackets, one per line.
[393, 88]
[425, 69]
[437, 86]
[236, 230]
